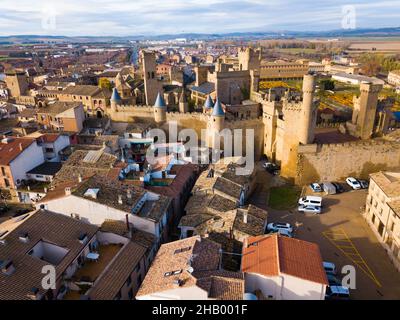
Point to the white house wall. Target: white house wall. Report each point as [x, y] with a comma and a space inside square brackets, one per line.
[30, 158]
[96, 213]
[284, 287]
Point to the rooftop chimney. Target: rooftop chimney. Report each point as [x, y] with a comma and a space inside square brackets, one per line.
[7, 267]
[20, 147]
[68, 191]
[129, 194]
[80, 178]
[245, 217]
[120, 199]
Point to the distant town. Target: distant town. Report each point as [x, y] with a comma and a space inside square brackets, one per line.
[86, 214]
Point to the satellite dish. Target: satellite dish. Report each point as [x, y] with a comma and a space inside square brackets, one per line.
[190, 270]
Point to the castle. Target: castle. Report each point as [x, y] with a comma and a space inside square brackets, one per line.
[227, 95]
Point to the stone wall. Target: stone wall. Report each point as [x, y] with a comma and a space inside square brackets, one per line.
[335, 162]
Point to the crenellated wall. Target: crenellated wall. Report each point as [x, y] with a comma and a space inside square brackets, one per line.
[332, 162]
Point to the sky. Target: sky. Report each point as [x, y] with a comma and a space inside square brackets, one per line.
[155, 17]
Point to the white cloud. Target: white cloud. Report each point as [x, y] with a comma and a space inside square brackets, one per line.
[131, 17]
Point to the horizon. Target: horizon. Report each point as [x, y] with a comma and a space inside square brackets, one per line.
[122, 18]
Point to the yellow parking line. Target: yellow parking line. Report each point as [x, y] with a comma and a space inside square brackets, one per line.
[358, 259]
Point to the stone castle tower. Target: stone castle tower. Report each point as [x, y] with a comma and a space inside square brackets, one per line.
[151, 84]
[249, 59]
[216, 124]
[115, 100]
[307, 121]
[160, 109]
[17, 83]
[183, 103]
[365, 110]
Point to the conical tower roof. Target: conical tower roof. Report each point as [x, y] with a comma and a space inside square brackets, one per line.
[115, 95]
[209, 103]
[218, 111]
[160, 103]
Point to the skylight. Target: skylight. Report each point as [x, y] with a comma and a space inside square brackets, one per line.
[92, 193]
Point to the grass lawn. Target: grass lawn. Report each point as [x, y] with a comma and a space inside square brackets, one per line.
[284, 198]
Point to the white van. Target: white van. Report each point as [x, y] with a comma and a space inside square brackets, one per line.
[311, 201]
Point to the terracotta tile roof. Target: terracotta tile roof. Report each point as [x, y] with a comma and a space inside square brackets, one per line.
[205, 257]
[47, 226]
[82, 90]
[226, 289]
[275, 255]
[228, 187]
[13, 148]
[49, 137]
[143, 238]
[57, 108]
[75, 166]
[109, 193]
[114, 277]
[184, 174]
[256, 221]
[389, 182]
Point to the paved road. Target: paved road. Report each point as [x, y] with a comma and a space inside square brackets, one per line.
[345, 238]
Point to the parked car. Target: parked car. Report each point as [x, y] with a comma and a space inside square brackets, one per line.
[316, 187]
[339, 187]
[337, 293]
[333, 281]
[364, 184]
[283, 232]
[273, 227]
[310, 200]
[310, 209]
[353, 183]
[4, 209]
[330, 268]
[272, 168]
[329, 188]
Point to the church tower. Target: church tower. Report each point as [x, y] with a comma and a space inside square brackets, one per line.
[160, 109]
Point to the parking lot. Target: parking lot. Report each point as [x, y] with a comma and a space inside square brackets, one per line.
[345, 238]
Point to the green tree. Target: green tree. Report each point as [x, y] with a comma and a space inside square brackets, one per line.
[104, 83]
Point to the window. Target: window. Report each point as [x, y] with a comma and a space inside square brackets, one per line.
[139, 281]
[137, 269]
[6, 183]
[130, 294]
[395, 251]
[3, 171]
[129, 281]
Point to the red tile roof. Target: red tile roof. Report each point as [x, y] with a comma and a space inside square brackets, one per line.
[275, 255]
[183, 175]
[15, 146]
[49, 137]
